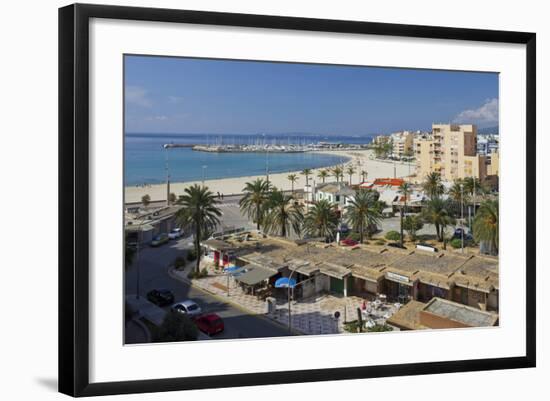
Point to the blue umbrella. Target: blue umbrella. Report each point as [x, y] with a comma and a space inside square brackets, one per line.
[285, 282]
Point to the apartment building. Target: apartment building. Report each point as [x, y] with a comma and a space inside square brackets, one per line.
[451, 150]
[402, 144]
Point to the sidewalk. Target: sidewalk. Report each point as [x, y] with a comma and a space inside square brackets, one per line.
[313, 315]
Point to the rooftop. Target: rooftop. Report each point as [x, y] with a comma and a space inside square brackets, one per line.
[365, 261]
[460, 313]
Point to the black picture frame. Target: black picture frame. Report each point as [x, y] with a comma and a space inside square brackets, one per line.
[74, 200]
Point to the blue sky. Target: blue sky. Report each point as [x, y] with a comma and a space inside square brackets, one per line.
[179, 95]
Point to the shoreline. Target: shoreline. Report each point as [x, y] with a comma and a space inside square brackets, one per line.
[360, 159]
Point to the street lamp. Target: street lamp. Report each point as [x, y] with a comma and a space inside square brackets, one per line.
[204, 173]
[289, 284]
[462, 216]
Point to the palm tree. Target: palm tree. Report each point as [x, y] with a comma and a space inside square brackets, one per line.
[306, 172]
[350, 171]
[323, 174]
[255, 199]
[200, 212]
[364, 175]
[363, 212]
[283, 213]
[432, 185]
[486, 225]
[337, 172]
[321, 220]
[473, 187]
[437, 213]
[405, 190]
[458, 195]
[292, 178]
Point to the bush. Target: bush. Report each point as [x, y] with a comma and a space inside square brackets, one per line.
[457, 243]
[179, 262]
[191, 255]
[380, 242]
[392, 236]
[354, 236]
[200, 274]
[175, 327]
[380, 328]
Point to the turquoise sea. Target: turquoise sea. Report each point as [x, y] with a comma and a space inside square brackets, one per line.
[147, 162]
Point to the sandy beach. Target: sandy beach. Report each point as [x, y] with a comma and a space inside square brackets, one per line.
[360, 159]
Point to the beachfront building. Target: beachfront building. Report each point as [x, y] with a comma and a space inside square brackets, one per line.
[140, 227]
[339, 194]
[487, 144]
[371, 271]
[381, 139]
[402, 144]
[450, 150]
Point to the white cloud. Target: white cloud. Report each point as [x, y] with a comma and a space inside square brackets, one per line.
[486, 113]
[157, 118]
[175, 99]
[138, 96]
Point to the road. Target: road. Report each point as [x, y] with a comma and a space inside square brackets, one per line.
[153, 267]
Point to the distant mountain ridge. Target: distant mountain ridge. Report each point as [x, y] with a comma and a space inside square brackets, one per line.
[488, 130]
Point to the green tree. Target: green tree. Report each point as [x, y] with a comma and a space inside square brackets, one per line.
[200, 212]
[254, 201]
[433, 186]
[437, 213]
[412, 225]
[323, 174]
[486, 225]
[146, 200]
[176, 327]
[282, 214]
[307, 173]
[321, 220]
[363, 212]
[292, 178]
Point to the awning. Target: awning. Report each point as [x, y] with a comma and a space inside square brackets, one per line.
[234, 270]
[285, 282]
[255, 275]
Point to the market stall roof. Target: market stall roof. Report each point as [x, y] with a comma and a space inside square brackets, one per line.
[255, 275]
[333, 270]
[217, 244]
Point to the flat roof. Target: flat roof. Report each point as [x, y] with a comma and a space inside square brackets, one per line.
[217, 244]
[460, 313]
[440, 269]
[255, 275]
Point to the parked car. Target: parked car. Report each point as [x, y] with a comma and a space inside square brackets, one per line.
[210, 324]
[426, 247]
[175, 233]
[458, 234]
[349, 242]
[188, 307]
[160, 239]
[160, 297]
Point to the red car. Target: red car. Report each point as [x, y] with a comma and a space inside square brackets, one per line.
[349, 242]
[210, 324]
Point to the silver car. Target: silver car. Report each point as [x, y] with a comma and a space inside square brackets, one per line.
[188, 307]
